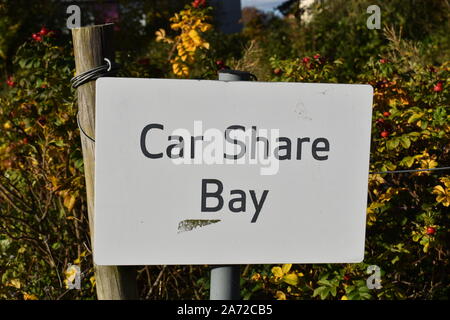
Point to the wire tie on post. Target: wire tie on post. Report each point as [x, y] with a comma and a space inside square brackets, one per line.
[110, 68]
[109, 64]
[93, 74]
[81, 129]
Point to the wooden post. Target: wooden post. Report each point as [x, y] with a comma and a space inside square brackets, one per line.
[91, 45]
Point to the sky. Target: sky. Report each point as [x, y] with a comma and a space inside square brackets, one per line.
[265, 5]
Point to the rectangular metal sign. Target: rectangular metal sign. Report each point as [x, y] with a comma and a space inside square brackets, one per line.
[213, 172]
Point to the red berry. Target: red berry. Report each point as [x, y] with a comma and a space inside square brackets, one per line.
[37, 37]
[277, 71]
[25, 140]
[10, 82]
[316, 56]
[431, 230]
[380, 120]
[383, 60]
[438, 87]
[44, 31]
[306, 59]
[199, 3]
[220, 63]
[385, 134]
[346, 277]
[386, 113]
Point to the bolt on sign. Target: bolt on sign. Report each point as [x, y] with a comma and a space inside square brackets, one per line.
[213, 172]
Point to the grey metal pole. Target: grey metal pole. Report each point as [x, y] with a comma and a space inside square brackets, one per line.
[235, 75]
[225, 280]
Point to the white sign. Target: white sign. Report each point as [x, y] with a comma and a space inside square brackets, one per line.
[213, 172]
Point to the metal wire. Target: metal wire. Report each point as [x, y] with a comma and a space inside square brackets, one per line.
[411, 170]
[81, 129]
[110, 68]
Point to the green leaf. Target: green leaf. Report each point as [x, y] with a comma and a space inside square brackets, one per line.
[415, 117]
[22, 63]
[324, 282]
[407, 161]
[317, 291]
[324, 293]
[392, 143]
[333, 291]
[56, 245]
[405, 142]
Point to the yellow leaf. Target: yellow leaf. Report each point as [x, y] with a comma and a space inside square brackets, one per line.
[428, 164]
[27, 296]
[14, 283]
[175, 26]
[404, 101]
[286, 267]
[291, 279]
[392, 102]
[55, 184]
[376, 179]
[442, 195]
[92, 280]
[195, 36]
[205, 27]
[7, 125]
[255, 277]
[280, 295]
[445, 181]
[438, 189]
[277, 272]
[160, 34]
[176, 68]
[69, 201]
[344, 298]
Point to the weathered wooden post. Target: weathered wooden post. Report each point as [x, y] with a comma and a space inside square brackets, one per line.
[91, 45]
